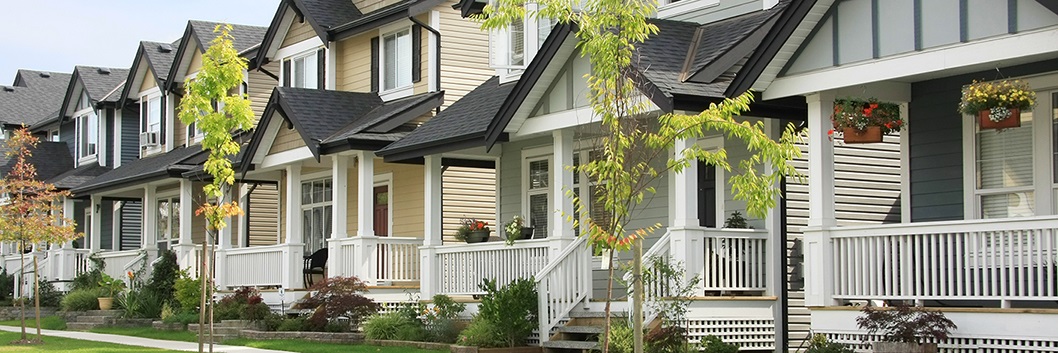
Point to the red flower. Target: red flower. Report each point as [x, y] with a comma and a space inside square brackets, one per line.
[830, 133]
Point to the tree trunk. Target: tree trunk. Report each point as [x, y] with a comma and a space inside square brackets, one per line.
[36, 295]
[609, 298]
[21, 292]
[637, 295]
[202, 300]
[212, 286]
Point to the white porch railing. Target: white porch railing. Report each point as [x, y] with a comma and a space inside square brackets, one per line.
[14, 265]
[463, 267]
[563, 284]
[656, 290]
[397, 259]
[735, 260]
[1009, 259]
[117, 263]
[378, 259]
[255, 265]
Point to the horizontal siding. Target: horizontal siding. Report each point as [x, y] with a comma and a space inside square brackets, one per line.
[367, 6]
[148, 81]
[196, 63]
[286, 139]
[467, 193]
[259, 88]
[298, 32]
[130, 133]
[464, 54]
[131, 225]
[353, 66]
[263, 208]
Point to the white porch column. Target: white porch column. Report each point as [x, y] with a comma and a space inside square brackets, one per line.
[97, 223]
[293, 254]
[223, 241]
[819, 262]
[563, 180]
[685, 247]
[224, 235]
[186, 254]
[366, 243]
[339, 213]
[148, 236]
[67, 211]
[428, 282]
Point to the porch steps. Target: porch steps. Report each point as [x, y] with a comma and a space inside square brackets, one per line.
[225, 330]
[581, 333]
[93, 319]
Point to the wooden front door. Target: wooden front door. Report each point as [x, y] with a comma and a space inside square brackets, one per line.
[707, 195]
[381, 197]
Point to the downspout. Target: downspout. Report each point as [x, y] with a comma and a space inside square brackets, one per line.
[436, 53]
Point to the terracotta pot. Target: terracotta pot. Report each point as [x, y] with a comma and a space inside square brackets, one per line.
[106, 303]
[478, 236]
[1013, 121]
[871, 135]
[901, 347]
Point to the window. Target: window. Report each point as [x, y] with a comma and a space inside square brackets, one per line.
[1004, 175]
[87, 128]
[303, 70]
[539, 206]
[396, 68]
[515, 46]
[315, 213]
[53, 136]
[168, 230]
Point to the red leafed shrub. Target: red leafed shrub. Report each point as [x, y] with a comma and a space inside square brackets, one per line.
[339, 297]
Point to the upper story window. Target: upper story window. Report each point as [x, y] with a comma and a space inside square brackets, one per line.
[87, 128]
[396, 60]
[151, 120]
[53, 136]
[514, 47]
[304, 70]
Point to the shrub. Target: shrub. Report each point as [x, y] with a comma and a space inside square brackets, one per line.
[7, 285]
[182, 317]
[621, 337]
[340, 297]
[481, 334]
[271, 321]
[81, 300]
[49, 295]
[244, 304]
[819, 344]
[140, 303]
[509, 313]
[292, 324]
[90, 278]
[666, 339]
[713, 344]
[188, 292]
[394, 326]
[905, 324]
[163, 277]
[440, 321]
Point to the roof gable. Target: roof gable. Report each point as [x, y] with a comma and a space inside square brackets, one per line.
[195, 40]
[101, 84]
[34, 98]
[153, 61]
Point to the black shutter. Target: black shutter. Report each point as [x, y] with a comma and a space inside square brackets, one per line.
[374, 64]
[416, 53]
[321, 72]
[164, 117]
[286, 73]
[144, 110]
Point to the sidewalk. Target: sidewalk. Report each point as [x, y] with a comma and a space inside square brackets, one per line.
[143, 342]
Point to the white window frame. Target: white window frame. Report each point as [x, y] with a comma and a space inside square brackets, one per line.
[53, 136]
[532, 155]
[1044, 189]
[145, 99]
[500, 46]
[303, 55]
[310, 179]
[669, 8]
[82, 117]
[173, 222]
[398, 91]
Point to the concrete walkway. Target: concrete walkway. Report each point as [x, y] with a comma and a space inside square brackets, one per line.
[141, 342]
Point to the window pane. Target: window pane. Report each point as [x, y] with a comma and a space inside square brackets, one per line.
[306, 193]
[299, 73]
[403, 59]
[1054, 138]
[317, 191]
[1018, 204]
[538, 213]
[538, 174]
[389, 46]
[576, 163]
[154, 118]
[1004, 159]
[174, 215]
[311, 74]
[93, 127]
[163, 220]
[328, 193]
[516, 39]
[306, 234]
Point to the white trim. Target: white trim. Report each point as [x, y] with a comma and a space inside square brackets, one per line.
[144, 98]
[117, 150]
[555, 121]
[999, 49]
[286, 157]
[332, 66]
[386, 179]
[298, 48]
[669, 8]
[905, 168]
[315, 62]
[86, 114]
[400, 91]
[115, 219]
[431, 59]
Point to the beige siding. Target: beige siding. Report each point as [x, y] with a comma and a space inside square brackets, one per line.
[465, 61]
[467, 193]
[259, 88]
[286, 139]
[283, 208]
[179, 128]
[264, 215]
[148, 81]
[353, 69]
[298, 32]
[423, 85]
[196, 63]
[406, 193]
[367, 6]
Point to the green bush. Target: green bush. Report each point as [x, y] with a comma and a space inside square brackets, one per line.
[621, 338]
[7, 285]
[819, 344]
[713, 344]
[668, 339]
[440, 321]
[188, 292]
[480, 334]
[141, 303]
[292, 324]
[163, 277]
[82, 300]
[49, 295]
[387, 326]
[510, 312]
[271, 321]
[244, 304]
[91, 278]
[182, 317]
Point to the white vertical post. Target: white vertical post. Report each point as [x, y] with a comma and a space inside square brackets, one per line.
[148, 238]
[562, 180]
[905, 167]
[819, 286]
[685, 247]
[775, 246]
[428, 285]
[365, 243]
[97, 223]
[339, 211]
[67, 211]
[185, 247]
[293, 255]
[224, 234]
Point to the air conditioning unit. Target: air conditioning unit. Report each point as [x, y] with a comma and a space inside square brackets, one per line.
[148, 139]
[91, 149]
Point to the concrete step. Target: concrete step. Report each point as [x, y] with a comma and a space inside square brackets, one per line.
[578, 345]
[581, 329]
[81, 326]
[595, 314]
[96, 319]
[111, 313]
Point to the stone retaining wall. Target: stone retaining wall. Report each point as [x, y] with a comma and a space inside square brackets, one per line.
[11, 313]
[326, 337]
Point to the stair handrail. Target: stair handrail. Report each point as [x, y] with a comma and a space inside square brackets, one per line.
[660, 248]
[554, 301]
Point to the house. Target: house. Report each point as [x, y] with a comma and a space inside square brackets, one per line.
[974, 235]
[354, 77]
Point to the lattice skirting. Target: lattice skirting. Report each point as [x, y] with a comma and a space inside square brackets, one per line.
[963, 344]
[748, 334]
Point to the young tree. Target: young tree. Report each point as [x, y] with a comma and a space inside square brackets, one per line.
[635, 143]
[209, 104]
[30, 214]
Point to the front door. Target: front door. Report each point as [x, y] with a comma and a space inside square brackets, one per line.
[706, 195]
[381, 209]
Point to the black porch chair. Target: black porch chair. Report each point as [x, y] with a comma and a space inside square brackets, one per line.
[314, 265]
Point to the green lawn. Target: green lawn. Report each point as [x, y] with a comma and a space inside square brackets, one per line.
[148, 332]
[47, 323]
[56, 344]
[317, 347]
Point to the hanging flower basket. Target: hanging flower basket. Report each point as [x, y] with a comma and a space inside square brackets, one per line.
[865, 121]
[997, 104]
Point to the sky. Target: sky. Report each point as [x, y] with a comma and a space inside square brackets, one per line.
[56, 35]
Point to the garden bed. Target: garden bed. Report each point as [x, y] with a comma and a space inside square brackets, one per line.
[411, 344]
[328, 337]
[470, 349]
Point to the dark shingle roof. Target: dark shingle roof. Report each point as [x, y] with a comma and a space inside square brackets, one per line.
[466, 118]
[372, 122]
[75, 177]
[160, 57]
[330, 13]
[101, 82]
[139, 170]
[719, 37]
[661, 59]
[34, 99]
[50, 159]
[320, 113]
[243, 36]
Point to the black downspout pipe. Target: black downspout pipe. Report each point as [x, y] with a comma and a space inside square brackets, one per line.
[437, 54]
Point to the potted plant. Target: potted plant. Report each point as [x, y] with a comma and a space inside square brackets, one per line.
[111, 287]
[736, 221]
[865, 121]
[997, 104]
[903, 327]
[473, 231]
[516, 229]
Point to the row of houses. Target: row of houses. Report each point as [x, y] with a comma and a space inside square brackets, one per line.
[381, 124]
